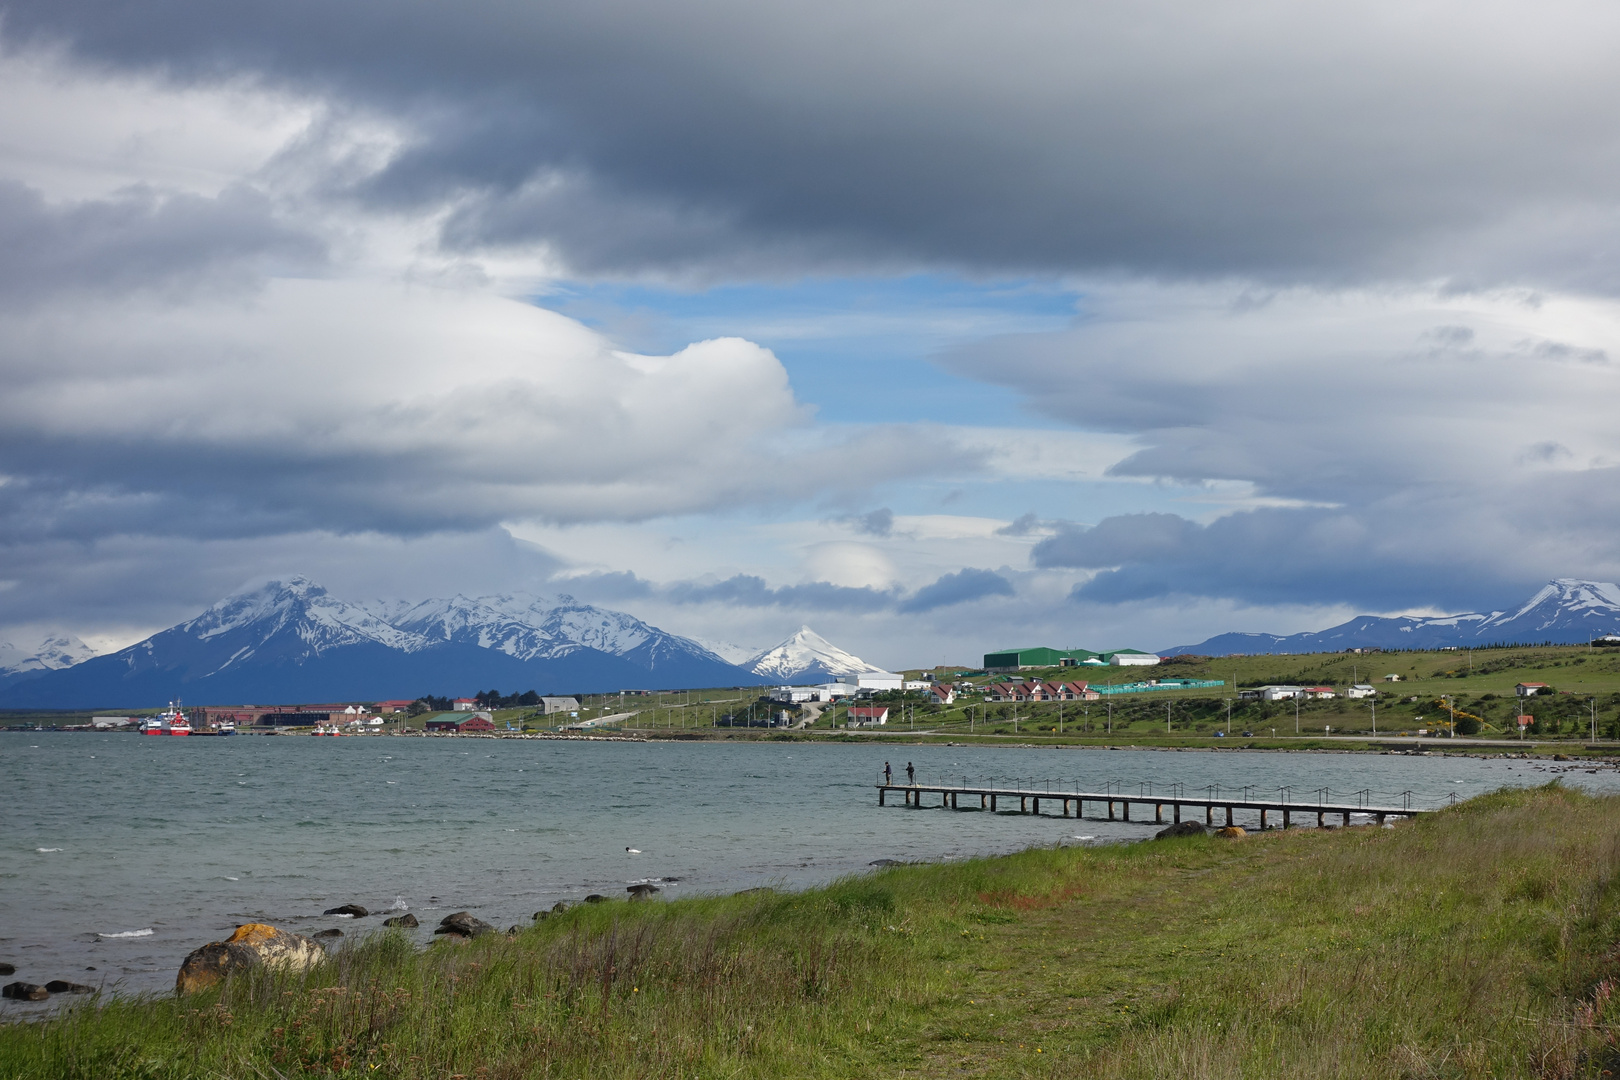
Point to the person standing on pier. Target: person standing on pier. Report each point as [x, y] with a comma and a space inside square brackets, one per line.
[911, 774]
[888, 774]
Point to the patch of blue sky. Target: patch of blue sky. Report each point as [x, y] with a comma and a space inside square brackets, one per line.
[858, 348]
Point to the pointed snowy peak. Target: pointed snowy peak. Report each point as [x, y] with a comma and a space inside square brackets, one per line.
[806, 655]
[52, 654]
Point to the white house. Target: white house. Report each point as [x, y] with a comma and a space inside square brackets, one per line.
[549, 705]
[464, 704]
[868, 715]
[1319, 692]
[1361, 690]
[918, 684]
[1529, 689]
[1392, 677]
[940, 694]
[1272, 693]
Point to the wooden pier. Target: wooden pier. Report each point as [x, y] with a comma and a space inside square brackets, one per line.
[1029, 802]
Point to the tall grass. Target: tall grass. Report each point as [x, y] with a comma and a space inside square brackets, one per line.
[1478, 942]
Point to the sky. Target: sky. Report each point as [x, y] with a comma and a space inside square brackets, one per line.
[940, 328]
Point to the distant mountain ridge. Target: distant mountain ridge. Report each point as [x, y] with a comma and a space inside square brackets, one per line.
[291, 641]
[54, 652]
[1564, 611]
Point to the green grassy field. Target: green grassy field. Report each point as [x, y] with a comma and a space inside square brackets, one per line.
[1584, 682]
[1476, 942]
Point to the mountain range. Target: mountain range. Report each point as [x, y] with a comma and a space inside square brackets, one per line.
[1565, 611]
[291, 641]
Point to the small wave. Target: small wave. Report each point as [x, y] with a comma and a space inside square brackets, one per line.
[400, 904]
[229, 878]
[47, 850]
[128, 933]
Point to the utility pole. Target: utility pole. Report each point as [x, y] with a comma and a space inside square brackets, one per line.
[1167, 718]
[1228, 716]
[1296, 714]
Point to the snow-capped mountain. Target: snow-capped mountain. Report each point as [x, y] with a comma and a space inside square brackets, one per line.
[55, 652]
[806, 657]
[291, 641]
[730, 652]
[1565, 611]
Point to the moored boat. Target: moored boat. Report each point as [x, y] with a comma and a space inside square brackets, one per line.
[170, 721]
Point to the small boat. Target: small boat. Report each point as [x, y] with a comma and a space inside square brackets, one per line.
[170, 721]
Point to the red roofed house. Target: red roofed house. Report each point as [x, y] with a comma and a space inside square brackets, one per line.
[1529, 689]
[1070, 691]
[476, 722]
[1008, 691]
[392, 706]
[464, 704]
[868, 715]
[1319, 692]
[940, 694]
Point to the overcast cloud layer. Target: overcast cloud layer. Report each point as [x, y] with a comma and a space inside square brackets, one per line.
[273, 282]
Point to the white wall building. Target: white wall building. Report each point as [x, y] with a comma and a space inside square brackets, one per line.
[1132, 658]
[871, 682]
[1361, 690]
[793, 695]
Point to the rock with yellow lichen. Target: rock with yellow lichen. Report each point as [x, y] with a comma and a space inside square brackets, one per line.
[1232, 832]
[253, 945]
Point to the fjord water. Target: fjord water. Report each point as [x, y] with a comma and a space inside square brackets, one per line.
[107, 837]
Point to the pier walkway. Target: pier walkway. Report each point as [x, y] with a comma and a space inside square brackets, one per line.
[1211, 800]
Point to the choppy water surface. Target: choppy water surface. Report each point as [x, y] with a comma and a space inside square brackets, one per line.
[121, 853]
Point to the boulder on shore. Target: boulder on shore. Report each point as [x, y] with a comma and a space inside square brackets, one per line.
[1182, 828]
[596, 898]
[406, 919]
[327, 934]
[354, 910]
[1232, 832]
[8, 969]
[464, 924]
[642, 891]
[252, 945]
[24, 991]
[62, 986]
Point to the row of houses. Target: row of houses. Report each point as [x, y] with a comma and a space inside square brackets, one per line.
[1312, 693]
[1039, 690]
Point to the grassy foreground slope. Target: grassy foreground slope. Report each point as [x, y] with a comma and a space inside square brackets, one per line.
[1477, 942]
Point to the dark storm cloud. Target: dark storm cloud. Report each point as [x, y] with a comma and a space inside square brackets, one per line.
[957, 588]
[1271, 556]
[1261, 138]
[140, 239]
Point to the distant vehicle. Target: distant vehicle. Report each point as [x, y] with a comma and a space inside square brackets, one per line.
[1248, 734]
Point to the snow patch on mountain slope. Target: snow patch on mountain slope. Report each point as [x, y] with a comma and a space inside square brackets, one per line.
[741, 655]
